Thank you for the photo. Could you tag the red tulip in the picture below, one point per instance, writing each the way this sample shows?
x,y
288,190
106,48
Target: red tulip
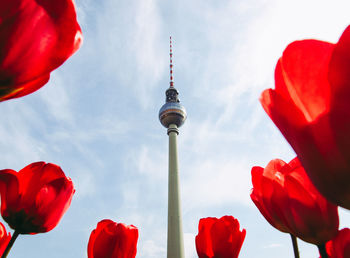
x,y
4,238
288,200
34,199
113,240
36,36
219,238
339,247
311,107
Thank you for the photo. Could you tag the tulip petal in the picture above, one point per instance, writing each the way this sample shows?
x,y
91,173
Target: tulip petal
x,y
5,238
339,72
284,114
104,244
9,191
304,68
56,197
111,239
34,176
39,36
125,246
339,247
310,216
226,238
203,242
96,232
219,237
264,179
23,88
34,199
292,204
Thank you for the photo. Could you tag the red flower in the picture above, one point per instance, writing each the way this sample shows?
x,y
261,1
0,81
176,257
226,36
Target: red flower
x,y
34,199
219,238
311,107
288,200
36,36
339,247
113,240
4,238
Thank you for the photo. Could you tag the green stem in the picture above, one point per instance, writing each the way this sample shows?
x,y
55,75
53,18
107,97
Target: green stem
x,y
295,246
10,244
322,250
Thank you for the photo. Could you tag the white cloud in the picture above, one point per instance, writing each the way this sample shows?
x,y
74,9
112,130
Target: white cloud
x,y
151,249
272,246
152,162
84,183
344,218
214,183
56,100
190,245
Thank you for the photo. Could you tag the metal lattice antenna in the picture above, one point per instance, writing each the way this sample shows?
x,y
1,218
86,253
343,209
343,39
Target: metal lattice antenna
x,y
171,65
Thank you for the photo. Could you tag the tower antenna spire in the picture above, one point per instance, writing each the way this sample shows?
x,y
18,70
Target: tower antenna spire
x,y
171,64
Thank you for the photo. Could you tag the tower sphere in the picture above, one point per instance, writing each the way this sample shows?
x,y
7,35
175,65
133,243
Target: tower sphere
x,y
172,113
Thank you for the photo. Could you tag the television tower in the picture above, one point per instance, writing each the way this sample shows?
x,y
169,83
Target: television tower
x,y
172,115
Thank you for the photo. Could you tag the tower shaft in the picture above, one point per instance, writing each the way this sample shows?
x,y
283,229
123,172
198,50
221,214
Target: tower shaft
x,y
172,115
175,247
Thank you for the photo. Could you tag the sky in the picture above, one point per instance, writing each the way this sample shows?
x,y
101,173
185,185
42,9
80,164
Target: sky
x,y
98,118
